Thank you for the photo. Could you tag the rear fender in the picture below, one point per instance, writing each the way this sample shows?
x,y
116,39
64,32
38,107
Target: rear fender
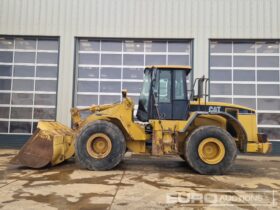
x,y
239,130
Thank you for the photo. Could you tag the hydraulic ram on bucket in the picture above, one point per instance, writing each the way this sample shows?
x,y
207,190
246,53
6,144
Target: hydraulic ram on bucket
x,y
51,143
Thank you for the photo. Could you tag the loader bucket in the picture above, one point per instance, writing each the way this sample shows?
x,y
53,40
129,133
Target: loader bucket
x,y
51,143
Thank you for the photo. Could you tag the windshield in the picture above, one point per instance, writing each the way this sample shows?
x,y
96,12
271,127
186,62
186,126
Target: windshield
x,y
142,112
144,96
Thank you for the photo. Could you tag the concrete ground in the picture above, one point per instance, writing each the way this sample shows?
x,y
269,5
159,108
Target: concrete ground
x,y
141,183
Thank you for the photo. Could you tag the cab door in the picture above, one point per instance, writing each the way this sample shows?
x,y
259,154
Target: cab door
x,y
164,95
170,95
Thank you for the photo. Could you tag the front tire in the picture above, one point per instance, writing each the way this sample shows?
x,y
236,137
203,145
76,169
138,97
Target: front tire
x,y
100,146
210,150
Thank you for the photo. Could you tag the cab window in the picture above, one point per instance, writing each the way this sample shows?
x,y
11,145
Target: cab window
x,y
179,89
164,87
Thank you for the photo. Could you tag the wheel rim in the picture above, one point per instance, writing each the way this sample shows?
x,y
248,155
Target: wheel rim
x,y
211,151
99,145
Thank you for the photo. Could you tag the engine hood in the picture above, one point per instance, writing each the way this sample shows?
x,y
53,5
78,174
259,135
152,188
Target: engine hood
x,y
218,107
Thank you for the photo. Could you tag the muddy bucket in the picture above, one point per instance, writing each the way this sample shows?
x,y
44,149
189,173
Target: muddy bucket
x,y
51,143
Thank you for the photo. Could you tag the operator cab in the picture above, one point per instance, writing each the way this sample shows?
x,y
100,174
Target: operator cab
x,y
164,93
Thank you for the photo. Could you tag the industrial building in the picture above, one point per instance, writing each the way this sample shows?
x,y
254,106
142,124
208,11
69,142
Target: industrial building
x,y
58,54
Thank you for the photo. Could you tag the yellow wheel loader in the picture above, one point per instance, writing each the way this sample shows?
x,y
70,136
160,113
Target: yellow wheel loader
x,y
170,119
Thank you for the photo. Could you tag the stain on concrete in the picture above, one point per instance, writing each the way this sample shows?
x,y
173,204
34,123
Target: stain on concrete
x,y
122,204
6,154
61,202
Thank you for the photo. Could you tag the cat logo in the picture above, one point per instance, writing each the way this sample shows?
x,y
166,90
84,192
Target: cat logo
x,y
214,109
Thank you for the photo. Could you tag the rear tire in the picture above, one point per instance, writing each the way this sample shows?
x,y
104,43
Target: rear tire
x,y
115,139
226,150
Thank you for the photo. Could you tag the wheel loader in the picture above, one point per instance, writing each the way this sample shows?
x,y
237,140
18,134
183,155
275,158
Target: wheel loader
x,y
170,120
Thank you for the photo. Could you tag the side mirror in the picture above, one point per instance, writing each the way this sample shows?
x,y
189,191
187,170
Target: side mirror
x,y
200,87
124,93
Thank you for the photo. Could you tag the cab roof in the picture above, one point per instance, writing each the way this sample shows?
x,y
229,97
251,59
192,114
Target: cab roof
x,y
175,67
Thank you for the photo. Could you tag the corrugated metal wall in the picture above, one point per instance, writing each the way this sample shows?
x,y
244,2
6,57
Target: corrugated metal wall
x,y
196,19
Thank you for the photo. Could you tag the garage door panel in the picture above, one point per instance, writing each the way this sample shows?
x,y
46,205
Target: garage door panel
x,y
106,66
28,82
256,78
